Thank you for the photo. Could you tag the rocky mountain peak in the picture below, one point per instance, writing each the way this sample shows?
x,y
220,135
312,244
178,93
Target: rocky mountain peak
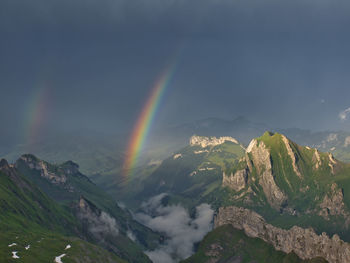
x,y
34,163
285,174
10,171
258,160
210,141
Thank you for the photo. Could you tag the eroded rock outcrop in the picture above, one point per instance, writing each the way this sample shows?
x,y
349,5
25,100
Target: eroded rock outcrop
x,y
316,159
36,164
261,160
96,222
333,204
303,242
210,141
332,163
291,155
236,181
10,171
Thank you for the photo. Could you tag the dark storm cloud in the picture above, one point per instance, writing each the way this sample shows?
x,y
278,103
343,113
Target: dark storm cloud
x,y
177,16
273,61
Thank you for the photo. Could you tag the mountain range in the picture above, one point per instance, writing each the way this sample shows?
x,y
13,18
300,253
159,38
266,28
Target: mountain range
x,y
282,196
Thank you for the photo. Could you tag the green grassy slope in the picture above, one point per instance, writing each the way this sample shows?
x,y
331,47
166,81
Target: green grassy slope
x,y
29,217
45,246
77,185
191,175
304,193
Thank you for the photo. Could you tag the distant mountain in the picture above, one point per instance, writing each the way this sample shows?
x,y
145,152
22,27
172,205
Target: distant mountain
x,y
240,128
103,154
192,173
95,152
336,142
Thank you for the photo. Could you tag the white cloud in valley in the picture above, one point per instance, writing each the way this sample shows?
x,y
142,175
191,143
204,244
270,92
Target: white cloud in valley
x,y
182,231
343,115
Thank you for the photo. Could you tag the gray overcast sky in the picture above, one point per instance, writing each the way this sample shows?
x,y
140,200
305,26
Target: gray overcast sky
x,y
92,63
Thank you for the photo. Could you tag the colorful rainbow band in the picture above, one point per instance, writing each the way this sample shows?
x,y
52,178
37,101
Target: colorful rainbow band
x,y
145,120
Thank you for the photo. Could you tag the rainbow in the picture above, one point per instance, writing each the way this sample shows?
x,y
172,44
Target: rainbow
x,y
36,114
145,120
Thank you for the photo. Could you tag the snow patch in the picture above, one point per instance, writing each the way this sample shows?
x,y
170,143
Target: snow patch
x,y
68,247
27,247
193,173
206,169
59,258
199,152
13,244
14,254
177,156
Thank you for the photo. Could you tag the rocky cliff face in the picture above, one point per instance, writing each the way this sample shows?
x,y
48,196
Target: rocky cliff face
x,y
258,157
292,155
10,171
278,171
97,225
303,242
97,222
35,164
58,175
261,160
237,181
333,204
210,141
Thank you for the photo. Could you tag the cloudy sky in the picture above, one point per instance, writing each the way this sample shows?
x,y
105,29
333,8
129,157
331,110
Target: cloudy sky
x,y
92,63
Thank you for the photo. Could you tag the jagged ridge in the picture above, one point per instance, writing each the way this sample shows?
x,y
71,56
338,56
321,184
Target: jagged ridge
x,y
304,242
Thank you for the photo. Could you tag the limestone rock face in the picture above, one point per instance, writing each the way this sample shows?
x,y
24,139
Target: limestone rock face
x,y
237,181
292,156
303,242
332,163
316,159
210,141
98,223
261,160
333,204
33,163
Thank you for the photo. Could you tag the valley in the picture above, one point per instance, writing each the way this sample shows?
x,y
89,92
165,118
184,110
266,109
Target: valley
x,y
286,185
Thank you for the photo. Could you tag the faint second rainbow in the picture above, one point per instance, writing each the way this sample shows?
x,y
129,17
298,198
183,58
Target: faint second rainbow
x,y
145,120
36,115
